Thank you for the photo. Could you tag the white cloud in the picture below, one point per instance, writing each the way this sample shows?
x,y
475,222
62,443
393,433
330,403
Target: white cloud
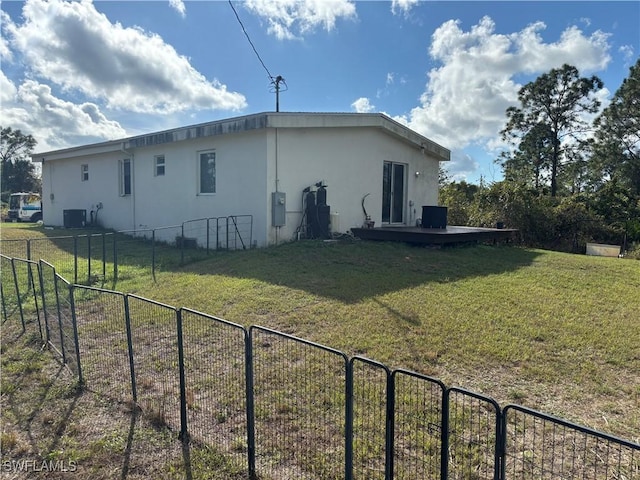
x,y
7,91
627,53
54,123
461,165
291,19
363,105
178,5
466,96
5,51
390,78
403,6
73,45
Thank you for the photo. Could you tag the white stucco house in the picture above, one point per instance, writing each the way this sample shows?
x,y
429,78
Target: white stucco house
x,y
261,165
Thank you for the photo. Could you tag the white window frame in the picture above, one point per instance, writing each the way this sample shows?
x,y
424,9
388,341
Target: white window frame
x,y
159,165
84,172
121,176
200,155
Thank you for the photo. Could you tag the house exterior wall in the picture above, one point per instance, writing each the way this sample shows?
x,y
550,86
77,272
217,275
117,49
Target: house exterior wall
x,y
255,156
350,162
173,198
170,199
63,189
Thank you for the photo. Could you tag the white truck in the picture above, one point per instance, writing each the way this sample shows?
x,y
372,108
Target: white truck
x,y
25,207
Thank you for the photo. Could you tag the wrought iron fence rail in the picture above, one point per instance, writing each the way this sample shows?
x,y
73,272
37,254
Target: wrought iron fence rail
x,y
85,258
289,408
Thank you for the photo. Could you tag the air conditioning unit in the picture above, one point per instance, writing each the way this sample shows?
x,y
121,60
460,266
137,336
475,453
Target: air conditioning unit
x,y
74,218
434,217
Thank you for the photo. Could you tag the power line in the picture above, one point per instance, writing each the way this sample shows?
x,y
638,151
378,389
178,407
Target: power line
x,y
250,42
274,81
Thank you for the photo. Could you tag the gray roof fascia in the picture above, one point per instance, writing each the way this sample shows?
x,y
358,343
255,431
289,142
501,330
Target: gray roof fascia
x,y
255,122
80,151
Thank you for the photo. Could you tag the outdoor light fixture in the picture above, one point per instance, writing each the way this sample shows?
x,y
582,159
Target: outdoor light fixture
x,y
417,174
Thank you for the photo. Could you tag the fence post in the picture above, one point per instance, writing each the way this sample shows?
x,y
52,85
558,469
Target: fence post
x,y
55,283
390,427
217,233
182,242
15,284
153,254
104,256
348,424
184,433
251,435
132,369
76,338
44,303
115,258
444,444
208,236
35,296
227,231
88,259
75,259
4,306
501,445
29,249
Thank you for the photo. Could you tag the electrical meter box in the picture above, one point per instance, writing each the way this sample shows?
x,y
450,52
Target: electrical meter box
x,y
278,209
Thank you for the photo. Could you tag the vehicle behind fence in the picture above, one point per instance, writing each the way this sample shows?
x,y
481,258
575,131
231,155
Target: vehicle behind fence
x,y
284,407
94,257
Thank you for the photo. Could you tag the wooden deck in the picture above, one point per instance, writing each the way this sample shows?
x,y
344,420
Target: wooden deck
x,y
435,236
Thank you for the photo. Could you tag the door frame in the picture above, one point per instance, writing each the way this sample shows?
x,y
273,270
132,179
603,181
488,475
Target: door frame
x,y
394,198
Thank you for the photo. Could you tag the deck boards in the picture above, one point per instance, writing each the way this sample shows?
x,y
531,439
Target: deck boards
x,y
435,236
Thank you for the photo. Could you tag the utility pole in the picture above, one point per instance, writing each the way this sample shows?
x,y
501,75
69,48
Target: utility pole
x,y
277,82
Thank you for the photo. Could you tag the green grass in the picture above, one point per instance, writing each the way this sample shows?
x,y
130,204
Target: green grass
x,y
540,316
552,331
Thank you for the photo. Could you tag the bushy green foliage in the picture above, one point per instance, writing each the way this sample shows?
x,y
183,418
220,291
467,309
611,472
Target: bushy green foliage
x,y
558,223
592,195
18,172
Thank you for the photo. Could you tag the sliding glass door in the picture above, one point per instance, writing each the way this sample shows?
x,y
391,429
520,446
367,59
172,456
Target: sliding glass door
x,y
393,192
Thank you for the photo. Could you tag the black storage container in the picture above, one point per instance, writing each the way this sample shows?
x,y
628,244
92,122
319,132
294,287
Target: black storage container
x,y
74,218
434,217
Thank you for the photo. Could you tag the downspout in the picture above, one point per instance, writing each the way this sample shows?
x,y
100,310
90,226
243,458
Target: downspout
x,y
277,180
133,191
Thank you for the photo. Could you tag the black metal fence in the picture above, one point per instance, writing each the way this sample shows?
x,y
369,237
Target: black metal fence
x,y
89,258
288,408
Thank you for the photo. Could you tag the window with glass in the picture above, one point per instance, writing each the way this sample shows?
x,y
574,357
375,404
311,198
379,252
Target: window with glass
x,y
125,177
84,172
207,171
159,165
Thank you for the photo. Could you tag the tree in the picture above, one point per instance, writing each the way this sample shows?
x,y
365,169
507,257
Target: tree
x,y
533,157
458,198
615,161
443,176
558,100
18,172
617,145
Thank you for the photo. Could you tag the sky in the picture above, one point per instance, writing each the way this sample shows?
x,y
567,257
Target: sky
x,y
81,72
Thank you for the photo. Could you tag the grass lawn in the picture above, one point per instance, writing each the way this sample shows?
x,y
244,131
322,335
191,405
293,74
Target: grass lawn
x,y
552,331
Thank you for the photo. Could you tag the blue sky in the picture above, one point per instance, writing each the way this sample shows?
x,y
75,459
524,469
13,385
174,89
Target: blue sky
x,y
81,72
